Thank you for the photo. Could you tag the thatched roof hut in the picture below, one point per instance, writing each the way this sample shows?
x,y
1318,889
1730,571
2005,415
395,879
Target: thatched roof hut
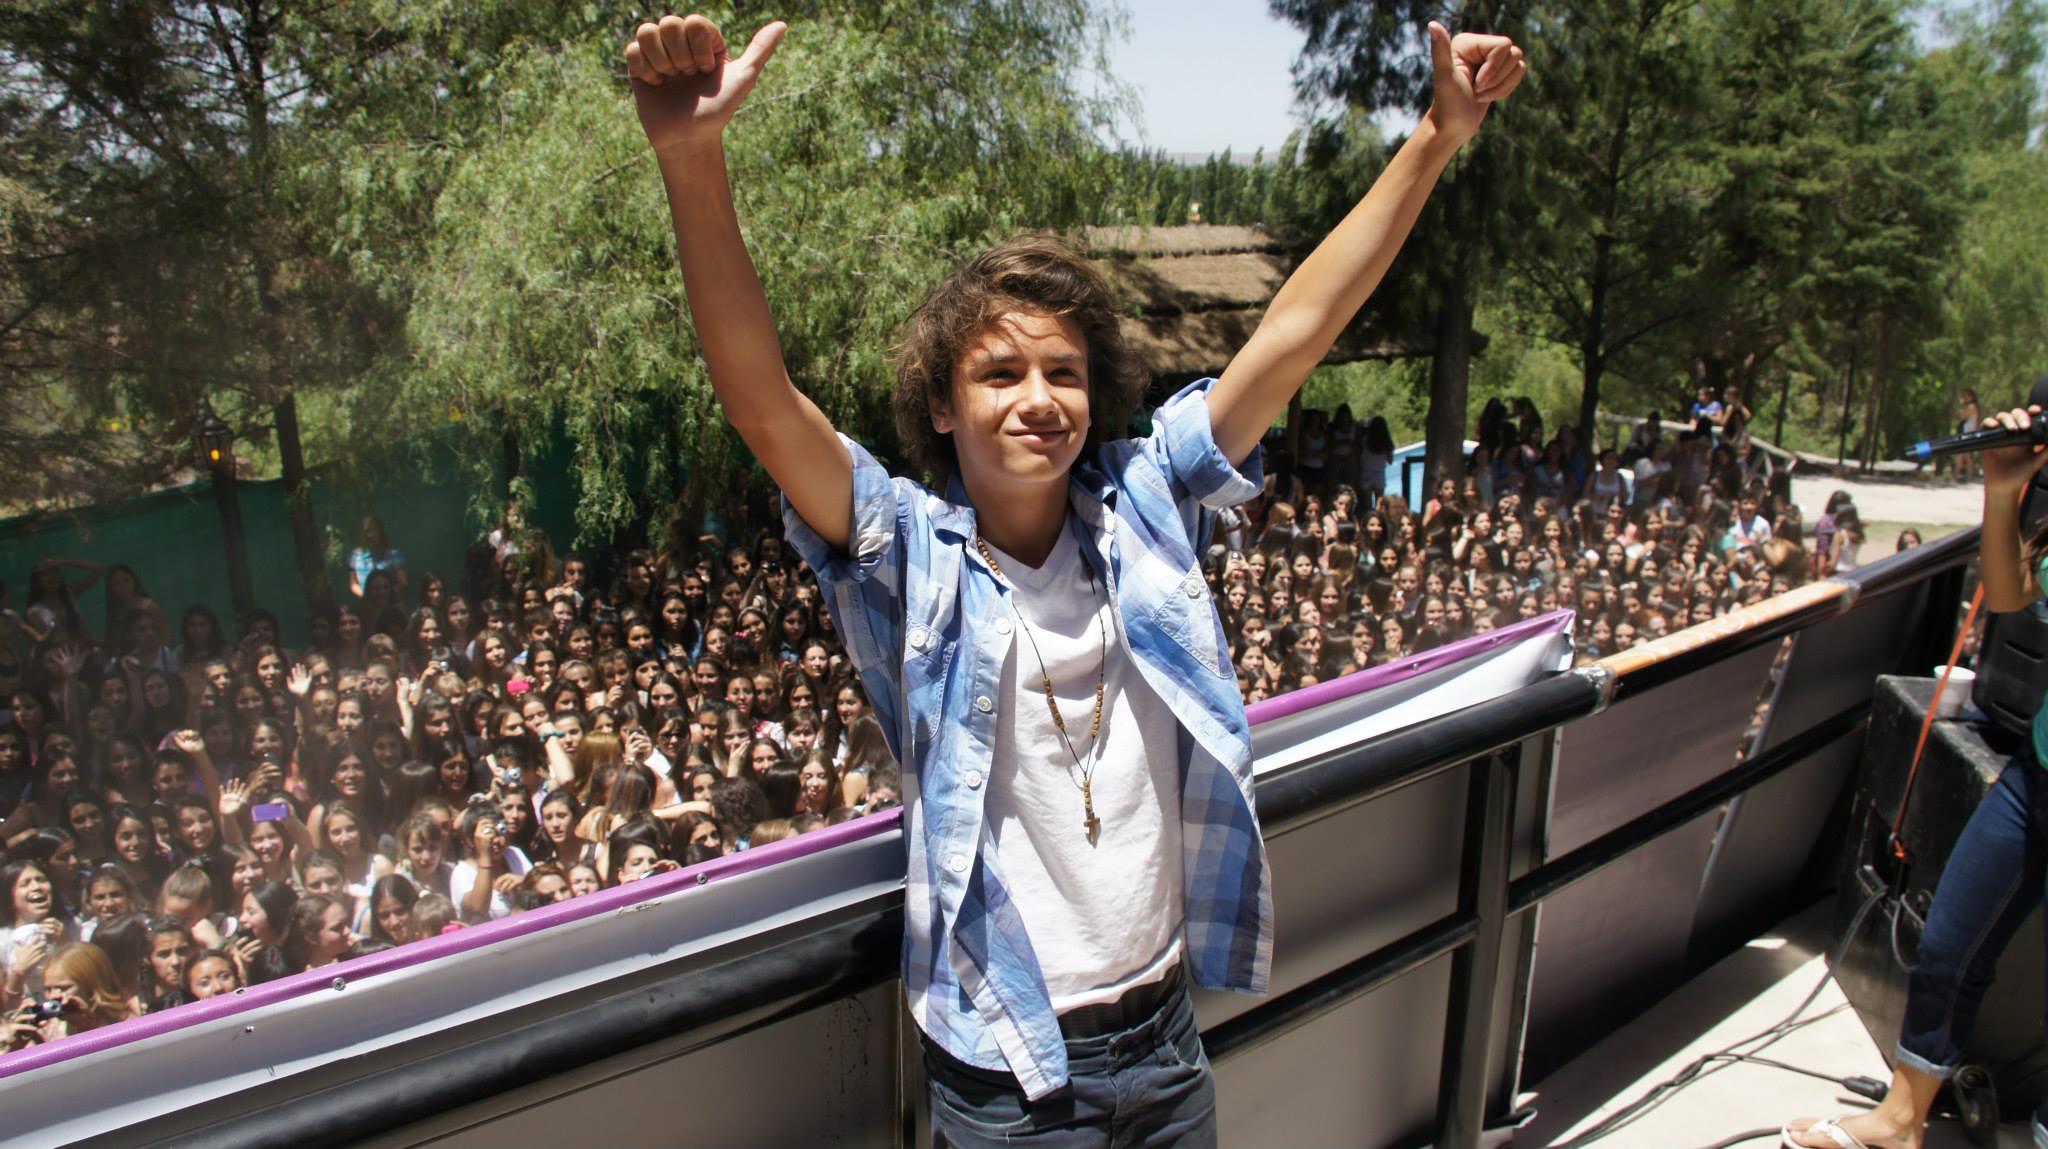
x,y
1196,294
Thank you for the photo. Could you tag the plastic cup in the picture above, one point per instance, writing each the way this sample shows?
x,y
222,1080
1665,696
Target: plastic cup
x,y
1956,694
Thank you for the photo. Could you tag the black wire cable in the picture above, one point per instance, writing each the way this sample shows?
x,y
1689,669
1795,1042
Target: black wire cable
x,y
1739,1138
1765,1061
1705,1065
1732,1053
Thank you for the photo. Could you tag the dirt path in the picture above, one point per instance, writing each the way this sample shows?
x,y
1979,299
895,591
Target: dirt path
x,y
1934,506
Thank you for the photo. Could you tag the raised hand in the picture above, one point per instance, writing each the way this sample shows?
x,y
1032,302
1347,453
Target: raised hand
x,y
485,843
26,957
233,797
685,87
242,952
188,741
2009,468
1472,71
16,1033
265,778
300,682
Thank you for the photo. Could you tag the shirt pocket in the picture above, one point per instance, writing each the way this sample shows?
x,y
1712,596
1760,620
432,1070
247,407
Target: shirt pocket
x,y
1184,612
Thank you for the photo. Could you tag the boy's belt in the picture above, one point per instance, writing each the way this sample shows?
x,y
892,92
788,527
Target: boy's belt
x,y
1135,1007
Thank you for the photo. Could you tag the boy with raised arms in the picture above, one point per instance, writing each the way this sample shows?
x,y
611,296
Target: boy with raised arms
x,y
1034,631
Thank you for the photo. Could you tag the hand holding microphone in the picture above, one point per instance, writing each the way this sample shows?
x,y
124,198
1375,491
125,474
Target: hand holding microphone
x,y
2015,428
2013,447
1991,437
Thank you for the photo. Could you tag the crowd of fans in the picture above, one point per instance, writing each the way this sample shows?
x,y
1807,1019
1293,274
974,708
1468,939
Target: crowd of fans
x,y
1673,529
187,811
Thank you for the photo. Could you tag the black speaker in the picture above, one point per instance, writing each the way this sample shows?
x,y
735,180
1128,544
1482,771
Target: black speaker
x,y
1962,762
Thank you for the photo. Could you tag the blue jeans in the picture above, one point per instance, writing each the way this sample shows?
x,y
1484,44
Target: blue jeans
x,y
1993,879
1149,1085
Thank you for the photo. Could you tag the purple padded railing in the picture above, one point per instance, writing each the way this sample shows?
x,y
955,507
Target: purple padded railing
x,y
1373,678
447,945
606,901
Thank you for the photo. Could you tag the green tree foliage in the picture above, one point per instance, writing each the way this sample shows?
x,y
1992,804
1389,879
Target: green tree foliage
x,y
1618,114
1370,57
174,272
1993,333
1732,192
549,292
1994,330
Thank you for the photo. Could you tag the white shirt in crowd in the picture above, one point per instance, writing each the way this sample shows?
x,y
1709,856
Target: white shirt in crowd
x,y
463,878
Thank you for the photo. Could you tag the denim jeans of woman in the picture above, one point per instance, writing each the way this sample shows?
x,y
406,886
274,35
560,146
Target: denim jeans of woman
x,y
1993,879
1149,1085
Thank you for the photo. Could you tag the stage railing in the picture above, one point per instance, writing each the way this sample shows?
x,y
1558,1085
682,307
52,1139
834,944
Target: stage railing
x,y
1606,803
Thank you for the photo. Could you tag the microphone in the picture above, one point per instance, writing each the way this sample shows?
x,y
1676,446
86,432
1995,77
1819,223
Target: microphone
x,y
1990,436
1984,439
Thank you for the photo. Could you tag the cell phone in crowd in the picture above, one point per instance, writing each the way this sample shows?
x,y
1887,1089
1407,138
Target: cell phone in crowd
x,y
270,811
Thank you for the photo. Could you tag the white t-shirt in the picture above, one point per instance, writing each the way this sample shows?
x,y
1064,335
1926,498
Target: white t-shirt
x,y
464,876
1647,471
1106,917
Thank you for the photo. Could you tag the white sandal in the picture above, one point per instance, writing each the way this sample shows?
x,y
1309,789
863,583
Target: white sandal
x,y
1842,1138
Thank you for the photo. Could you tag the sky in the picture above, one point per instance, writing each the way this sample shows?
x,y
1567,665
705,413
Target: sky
x,y
1210,74
1214,74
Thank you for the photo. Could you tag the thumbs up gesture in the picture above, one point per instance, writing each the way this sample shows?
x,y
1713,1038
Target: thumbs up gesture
x,y
685,87
1472,72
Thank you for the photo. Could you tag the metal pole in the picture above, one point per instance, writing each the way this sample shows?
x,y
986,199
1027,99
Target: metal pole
x,y
233,541
1475,969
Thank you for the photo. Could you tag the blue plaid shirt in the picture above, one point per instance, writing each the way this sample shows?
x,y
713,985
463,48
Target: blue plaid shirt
x,y
905,600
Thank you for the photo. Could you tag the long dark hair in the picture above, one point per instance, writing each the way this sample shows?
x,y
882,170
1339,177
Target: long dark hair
x,y
398,888
2033,547
276,900
305,921
1379,439
11,873
155,993
642,831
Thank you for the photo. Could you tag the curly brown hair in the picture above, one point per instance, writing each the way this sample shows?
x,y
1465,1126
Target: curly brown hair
x,y
1031,274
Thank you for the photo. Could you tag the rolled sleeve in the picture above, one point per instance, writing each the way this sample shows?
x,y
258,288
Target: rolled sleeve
x,y
1195,460
874,525
863,583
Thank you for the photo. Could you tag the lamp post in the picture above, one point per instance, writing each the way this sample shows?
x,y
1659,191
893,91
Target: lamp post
x,y
217,447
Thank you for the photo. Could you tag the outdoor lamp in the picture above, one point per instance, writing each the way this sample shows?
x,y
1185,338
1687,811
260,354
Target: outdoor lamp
x,y
216,439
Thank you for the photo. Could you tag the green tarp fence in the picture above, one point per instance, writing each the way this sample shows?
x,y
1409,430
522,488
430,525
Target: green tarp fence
x,y
172,538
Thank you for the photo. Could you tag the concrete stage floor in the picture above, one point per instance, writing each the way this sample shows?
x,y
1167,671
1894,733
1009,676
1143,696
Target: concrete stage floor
x,y
1749,991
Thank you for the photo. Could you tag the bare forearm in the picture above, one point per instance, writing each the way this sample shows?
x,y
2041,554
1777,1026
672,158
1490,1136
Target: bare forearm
x,y
736,332
2007,585
477,902
209,776
1325,292
728,305
1337,278
561,770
